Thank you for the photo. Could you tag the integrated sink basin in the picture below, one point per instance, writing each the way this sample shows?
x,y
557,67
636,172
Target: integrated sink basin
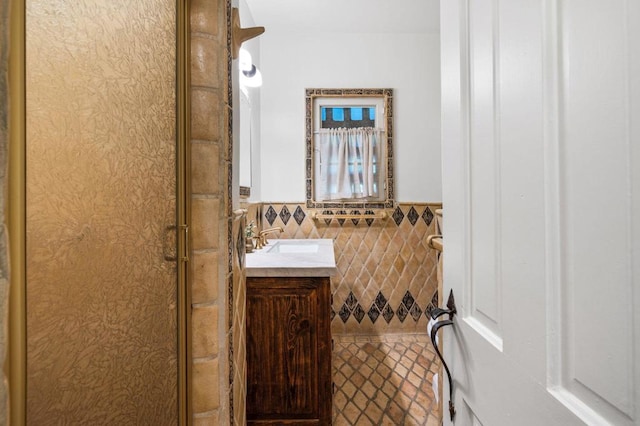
x,y
293,258
293,246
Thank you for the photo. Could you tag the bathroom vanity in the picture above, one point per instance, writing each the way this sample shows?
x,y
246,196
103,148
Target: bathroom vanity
x,y
289,332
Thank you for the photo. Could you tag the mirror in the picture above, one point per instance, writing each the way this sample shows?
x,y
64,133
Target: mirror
x,y
349,146
249,82
245,145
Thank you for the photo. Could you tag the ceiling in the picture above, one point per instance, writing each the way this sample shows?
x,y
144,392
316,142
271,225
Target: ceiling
x,y
346,16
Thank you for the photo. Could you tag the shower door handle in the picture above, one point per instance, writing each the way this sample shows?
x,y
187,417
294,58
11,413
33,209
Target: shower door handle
x,y
435,314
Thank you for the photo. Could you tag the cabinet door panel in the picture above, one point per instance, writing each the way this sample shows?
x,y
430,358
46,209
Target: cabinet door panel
x,y
287,357
282,353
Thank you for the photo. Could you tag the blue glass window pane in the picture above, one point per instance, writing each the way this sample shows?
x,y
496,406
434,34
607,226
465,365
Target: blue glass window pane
x,y
323,111
372,113
356,114
338,114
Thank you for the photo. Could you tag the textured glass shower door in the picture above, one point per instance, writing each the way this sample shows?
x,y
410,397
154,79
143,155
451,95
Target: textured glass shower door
x,y
101,275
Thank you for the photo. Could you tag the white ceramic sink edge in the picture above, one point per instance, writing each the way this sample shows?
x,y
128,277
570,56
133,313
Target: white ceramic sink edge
x,y
293,257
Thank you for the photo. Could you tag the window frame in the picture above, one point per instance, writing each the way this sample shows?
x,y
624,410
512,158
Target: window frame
x,y
314,99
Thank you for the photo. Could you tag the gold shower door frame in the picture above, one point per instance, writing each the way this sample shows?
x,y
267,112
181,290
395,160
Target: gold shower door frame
x,y
16,361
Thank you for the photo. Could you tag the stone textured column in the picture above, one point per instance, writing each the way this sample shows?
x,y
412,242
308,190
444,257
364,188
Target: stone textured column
x,y
209,213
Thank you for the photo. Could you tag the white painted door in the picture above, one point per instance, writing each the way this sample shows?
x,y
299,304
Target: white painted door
x,y
541,172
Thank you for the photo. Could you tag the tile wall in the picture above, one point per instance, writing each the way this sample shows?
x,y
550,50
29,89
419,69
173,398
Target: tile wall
x,y
219,391
237,322
211,216
387,278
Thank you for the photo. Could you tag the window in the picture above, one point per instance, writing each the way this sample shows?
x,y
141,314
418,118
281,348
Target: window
x,y
349,148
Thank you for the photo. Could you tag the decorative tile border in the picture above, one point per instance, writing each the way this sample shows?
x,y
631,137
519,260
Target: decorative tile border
x,y
380,307
398,216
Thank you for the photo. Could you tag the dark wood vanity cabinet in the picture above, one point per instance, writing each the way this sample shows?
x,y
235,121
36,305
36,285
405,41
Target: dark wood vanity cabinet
x,y
289,350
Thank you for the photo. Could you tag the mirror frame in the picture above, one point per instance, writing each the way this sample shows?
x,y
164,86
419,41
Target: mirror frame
x,y
310,97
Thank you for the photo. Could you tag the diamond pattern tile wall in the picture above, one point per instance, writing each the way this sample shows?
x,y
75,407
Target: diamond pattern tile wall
x,y
412,215
285,215
271,215
386,279
427,216
299,215
398,215
432,305
351,307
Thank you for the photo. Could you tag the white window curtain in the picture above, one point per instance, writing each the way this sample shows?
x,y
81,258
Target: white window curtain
x,y
348,163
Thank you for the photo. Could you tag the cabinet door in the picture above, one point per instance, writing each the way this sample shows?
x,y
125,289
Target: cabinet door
x,y
288,350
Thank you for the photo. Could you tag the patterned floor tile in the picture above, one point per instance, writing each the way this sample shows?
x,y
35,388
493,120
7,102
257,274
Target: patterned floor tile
x,y
384,380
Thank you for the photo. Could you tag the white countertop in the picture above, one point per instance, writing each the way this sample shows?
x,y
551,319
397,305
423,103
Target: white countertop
x,y
300,258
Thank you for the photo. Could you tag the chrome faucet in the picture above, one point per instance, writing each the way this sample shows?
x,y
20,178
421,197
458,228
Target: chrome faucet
x,y
262,235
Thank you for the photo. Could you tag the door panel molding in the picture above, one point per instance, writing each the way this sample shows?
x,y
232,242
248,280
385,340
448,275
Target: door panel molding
x,y
484,160
584,172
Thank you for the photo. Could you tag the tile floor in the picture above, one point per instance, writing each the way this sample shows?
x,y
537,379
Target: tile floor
x,y
384,380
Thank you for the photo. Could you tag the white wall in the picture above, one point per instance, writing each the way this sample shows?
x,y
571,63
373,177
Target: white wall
x,y
407,63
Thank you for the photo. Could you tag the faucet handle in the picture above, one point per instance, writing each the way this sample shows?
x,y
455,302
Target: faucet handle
x,y
263,234
259,243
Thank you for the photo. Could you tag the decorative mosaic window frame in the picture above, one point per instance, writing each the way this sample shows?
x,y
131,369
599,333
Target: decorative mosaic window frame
x,y
347,206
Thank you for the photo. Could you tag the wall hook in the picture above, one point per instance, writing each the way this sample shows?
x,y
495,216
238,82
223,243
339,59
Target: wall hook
x,y
240,35
435,314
